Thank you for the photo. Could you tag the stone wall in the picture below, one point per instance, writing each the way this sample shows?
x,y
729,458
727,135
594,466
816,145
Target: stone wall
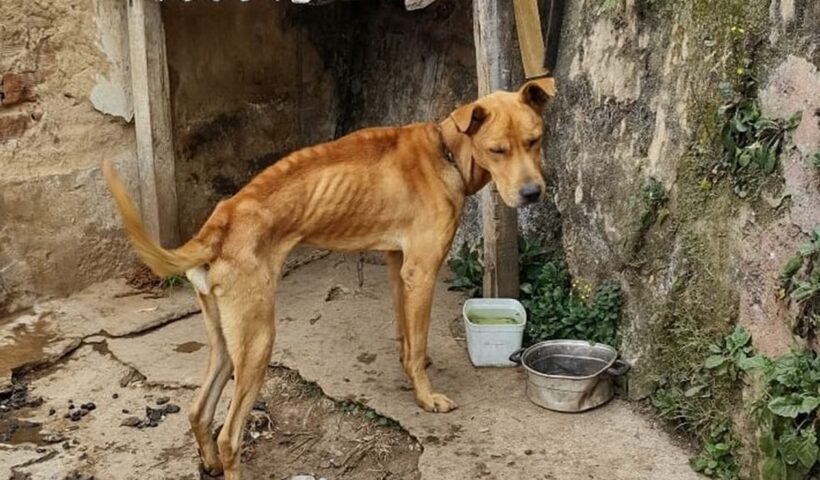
x,y
638,84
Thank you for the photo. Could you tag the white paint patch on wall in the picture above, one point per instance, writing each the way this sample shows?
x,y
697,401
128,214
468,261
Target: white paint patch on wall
x,y
112,93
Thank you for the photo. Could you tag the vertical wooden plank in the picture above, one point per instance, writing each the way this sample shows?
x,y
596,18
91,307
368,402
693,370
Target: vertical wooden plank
x,y
493,31
530,39
152,119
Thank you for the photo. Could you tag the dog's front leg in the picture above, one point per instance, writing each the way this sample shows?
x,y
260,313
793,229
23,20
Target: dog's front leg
x,y
418,273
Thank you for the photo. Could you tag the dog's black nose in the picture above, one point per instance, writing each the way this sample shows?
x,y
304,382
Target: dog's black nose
x,y
530,192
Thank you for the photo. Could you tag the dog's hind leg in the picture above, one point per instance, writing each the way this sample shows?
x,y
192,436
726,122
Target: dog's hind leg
x,y
246,303
219,372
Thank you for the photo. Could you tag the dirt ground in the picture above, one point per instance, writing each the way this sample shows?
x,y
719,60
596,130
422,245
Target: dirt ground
x,y
138,357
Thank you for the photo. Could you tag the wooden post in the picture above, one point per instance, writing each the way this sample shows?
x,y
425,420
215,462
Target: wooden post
x,y
493,31
152,120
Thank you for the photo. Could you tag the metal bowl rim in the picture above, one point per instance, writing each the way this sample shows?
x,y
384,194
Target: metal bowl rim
x,y
583,343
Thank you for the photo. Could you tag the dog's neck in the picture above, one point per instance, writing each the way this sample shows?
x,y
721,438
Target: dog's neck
x,y
458,150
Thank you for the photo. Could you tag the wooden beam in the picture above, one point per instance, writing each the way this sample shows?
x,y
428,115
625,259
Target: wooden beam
x,y
152,120
530,39
493,31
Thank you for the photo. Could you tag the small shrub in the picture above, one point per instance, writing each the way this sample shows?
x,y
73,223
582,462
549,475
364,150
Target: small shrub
x,y
751,142
556,306
697,401
786,413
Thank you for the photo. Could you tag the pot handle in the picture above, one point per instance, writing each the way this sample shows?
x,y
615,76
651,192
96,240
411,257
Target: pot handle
x,y
618,368
515,357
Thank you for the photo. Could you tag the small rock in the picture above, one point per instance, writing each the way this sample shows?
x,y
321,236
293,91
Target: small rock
x,y
152,423
67,415
40,450
126,411
171,408
71,406
528,452
131,422
163,400
76,415
153,414
260,406
66,445
88,406
53,438
115,396
51,411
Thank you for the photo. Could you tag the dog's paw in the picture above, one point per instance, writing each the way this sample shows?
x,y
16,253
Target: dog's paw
x,y
437,403
209,473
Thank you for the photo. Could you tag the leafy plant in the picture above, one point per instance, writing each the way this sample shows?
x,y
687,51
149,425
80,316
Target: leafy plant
x,y
733,354
751,142
815,160
717,458
696,401
556,308
787,416
468,270
800,280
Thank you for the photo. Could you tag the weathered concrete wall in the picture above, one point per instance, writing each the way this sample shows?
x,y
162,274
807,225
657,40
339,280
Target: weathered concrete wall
x,y
62,65
638,96
247,87
418,67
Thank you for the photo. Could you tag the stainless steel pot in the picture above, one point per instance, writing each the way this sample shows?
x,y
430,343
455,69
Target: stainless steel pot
x,y
570,375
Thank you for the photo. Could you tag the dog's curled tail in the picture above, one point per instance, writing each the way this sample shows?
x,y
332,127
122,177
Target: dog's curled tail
x,y
161,261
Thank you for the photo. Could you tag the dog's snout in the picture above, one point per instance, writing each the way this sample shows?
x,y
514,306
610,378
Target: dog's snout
x,y
530,192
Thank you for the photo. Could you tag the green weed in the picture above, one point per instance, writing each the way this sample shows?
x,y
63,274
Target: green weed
x,y
696,401
174,281
800,280
786,413
751,142
468,270
653,197
556,306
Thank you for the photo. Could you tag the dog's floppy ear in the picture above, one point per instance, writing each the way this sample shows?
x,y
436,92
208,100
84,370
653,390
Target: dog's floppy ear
x,y
536,93
469,118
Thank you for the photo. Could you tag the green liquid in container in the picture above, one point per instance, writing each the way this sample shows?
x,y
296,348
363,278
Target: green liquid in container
x,y
493,321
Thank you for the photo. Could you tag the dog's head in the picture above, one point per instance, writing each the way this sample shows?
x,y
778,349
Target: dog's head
x,y
502,132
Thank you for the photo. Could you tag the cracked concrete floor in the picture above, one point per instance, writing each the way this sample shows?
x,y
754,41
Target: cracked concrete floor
x,y
156,347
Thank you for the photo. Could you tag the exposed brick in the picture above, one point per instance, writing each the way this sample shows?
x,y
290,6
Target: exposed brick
x,y
14,125
17,87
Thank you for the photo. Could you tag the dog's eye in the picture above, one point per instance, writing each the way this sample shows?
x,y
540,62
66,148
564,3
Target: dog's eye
x,y
498,150
533,142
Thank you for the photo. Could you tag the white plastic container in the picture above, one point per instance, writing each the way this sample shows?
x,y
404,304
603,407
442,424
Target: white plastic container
x,y
492,345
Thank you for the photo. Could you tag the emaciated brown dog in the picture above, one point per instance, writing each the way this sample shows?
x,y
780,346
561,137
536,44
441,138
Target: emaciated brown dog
x,y
398,190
